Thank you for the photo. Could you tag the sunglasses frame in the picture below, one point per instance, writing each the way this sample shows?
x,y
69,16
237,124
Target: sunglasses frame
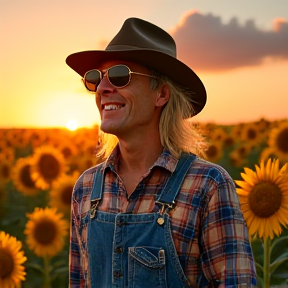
x,y
106,72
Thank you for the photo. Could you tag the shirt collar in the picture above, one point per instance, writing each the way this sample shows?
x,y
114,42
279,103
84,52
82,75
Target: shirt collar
x,y
166,160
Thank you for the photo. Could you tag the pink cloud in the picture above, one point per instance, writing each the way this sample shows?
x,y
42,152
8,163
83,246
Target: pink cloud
x,y
205,43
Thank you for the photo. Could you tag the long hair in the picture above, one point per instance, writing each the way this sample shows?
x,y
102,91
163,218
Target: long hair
x,y
177,132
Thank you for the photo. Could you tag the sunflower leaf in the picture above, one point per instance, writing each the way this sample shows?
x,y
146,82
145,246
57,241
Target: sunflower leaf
x,y
35,267
259,281
282,258
58,271
277,241
258,266
59,263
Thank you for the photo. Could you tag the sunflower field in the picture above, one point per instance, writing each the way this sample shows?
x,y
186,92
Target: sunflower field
x,y
38,169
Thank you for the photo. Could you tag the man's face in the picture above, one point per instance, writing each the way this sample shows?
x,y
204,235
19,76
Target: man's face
x,y
129,110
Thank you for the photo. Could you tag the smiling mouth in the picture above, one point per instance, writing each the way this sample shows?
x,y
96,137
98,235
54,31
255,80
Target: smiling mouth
x,y
109,107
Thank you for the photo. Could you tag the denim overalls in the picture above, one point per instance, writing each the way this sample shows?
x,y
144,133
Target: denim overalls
x,y
136,250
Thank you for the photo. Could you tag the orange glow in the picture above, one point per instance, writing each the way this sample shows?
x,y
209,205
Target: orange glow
x,y
72,125
38,89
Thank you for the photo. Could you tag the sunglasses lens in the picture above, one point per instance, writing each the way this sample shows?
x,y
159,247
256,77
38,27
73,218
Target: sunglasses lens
x,y
92,79
119,76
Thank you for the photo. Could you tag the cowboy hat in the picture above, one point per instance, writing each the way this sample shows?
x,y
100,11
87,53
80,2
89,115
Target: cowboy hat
x,y
147,44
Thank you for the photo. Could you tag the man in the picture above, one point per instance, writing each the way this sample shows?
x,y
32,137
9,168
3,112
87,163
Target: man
x,y
153,214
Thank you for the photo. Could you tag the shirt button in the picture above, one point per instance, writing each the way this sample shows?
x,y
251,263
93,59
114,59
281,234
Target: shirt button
x,y
118,249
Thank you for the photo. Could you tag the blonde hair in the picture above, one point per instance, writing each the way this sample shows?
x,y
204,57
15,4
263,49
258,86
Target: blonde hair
x,y
177,132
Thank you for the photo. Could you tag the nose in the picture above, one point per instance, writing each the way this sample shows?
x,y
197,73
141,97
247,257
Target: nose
x,y
105,87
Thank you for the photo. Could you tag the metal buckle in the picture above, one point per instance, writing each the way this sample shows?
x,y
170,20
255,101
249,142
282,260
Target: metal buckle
x,y
166,207
93,209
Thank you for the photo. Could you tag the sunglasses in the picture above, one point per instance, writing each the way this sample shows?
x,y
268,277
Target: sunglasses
x,y
118,75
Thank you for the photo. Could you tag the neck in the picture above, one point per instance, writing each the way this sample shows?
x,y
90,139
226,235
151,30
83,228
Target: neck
x,y
139,156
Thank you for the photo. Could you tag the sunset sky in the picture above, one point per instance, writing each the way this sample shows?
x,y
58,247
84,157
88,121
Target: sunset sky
x,y
239,48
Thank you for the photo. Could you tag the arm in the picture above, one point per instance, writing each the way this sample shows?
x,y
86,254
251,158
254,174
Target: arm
x,y
226,254
75,269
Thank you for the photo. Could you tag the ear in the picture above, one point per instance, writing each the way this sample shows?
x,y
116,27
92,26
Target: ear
x,y
162,96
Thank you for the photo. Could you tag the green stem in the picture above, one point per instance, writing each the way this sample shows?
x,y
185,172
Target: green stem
x,y
266,266
47,280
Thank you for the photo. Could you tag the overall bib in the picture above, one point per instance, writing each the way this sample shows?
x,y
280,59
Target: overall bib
x,y
136,250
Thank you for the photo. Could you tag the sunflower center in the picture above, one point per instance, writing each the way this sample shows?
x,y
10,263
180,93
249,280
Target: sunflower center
x,y
25,177
265,199
45,232
229,141
66,151
282,143
49,166
212,151
5,171
242,151
6,263
66,195
251,134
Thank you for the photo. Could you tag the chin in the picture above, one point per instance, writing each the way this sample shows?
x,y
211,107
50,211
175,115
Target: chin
x,y
110,129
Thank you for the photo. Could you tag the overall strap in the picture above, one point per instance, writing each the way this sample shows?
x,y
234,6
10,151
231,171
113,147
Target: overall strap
x,y
96,193
173,185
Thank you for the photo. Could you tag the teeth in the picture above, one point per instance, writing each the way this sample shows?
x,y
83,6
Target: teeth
x,y
112,107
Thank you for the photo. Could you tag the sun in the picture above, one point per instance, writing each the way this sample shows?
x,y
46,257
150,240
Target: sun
x,y
72,125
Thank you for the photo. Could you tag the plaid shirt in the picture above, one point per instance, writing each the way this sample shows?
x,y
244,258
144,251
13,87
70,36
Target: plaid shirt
x,y
207,225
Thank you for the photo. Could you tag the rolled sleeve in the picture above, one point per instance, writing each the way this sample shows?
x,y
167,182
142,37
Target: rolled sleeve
x,y
227,255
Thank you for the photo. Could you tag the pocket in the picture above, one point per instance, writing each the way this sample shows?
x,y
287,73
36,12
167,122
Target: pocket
x,y
146,267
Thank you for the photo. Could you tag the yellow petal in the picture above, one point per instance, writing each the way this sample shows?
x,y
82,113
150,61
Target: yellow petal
x,y
247,179
241,192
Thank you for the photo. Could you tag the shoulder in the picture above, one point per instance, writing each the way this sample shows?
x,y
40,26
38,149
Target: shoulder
x,y
209,171
85,181
205,181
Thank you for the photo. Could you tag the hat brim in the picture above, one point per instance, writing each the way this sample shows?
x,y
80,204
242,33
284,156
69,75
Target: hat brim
x,y
177,71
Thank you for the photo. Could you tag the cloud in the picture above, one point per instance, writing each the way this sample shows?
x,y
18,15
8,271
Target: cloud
x,y
205,43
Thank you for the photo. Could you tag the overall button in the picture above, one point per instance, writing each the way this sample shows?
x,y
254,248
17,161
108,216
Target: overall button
x,y
121,223
117,274
160,221
118,249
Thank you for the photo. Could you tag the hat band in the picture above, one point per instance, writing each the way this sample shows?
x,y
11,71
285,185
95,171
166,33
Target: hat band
x,y
122,48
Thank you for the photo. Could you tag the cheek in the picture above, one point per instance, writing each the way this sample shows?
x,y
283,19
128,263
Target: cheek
x,y
98,101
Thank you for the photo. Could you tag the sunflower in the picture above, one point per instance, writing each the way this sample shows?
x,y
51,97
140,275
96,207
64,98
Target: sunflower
x,y
5,170
278,141
214,152
218,134
67,149
8,153
235,159
251,134
228,141
236,130
2,195
47,166
263,124
46,231
3,199
264,198
36,137
267,153
21,175
11,259
60,194
243,150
